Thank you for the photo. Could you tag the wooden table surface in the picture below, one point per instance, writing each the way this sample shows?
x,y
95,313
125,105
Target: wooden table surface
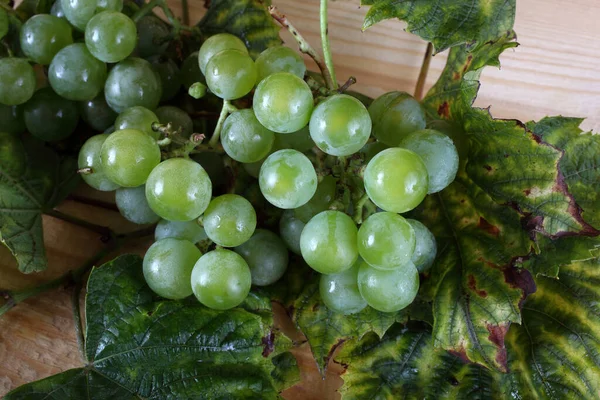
x,y
554,71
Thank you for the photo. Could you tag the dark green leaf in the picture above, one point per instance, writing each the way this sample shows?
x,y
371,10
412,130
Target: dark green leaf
x,y
32,179
138,347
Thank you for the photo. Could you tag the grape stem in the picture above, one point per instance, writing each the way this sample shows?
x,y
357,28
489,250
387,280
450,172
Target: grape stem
x,y
225,111
351,81
325,44
304,46
358,208
423,73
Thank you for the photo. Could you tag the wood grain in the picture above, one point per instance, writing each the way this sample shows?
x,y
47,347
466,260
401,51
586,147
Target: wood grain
x,y
554,71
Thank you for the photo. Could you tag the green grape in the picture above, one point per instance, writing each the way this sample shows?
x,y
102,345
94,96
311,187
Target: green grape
x,y
133,82
17,81
110,36
458,136
11,119
216,44
133,206
43,35
394,115
221,279
76,74
4,24
229,220
170,76
168,266
388,291
299,140
57,10
426,247
279,59
190,71
178,118
266,255
50,117
340,291
370,150
178,189
287,179
396,180
253,169
230,74
290,229
188,230
139,118
79,12
97,113
89,157
153,36
244,138
328,242
340,125
128,157
386,241
320,201
283,102
438,153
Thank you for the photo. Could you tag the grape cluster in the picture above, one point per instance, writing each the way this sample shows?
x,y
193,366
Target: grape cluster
x,y
340,173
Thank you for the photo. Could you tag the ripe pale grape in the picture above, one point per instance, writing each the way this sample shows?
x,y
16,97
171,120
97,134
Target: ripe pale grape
x,y
170,76
426,247
394,115
299,140
132,82
290,229
110,36
328,242
340,125
50,117
391,290
266,256
279,59
43,35
340,291
89,157
178,189
178,118
152,36
229,220
287,179
17,81
396,180
283,102
97,113
188,230
139,118
321,200
216,44
128,157
168,266
11,119
221,279
132,205
230,74
79,12
244,138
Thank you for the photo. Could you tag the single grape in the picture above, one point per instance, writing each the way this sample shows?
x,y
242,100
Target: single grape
x,y
57,10
438,153
50,117
266,255
153,36
230,74
132,82
11,119
394,115
17,81
457,133
328,242
340,125
426,247
43,35
170,76
133,206
386,241
128,157
188,230
216,44
190,71
229,220
178,118
283,102
320,201
290,229
370,150
287,179
4,24
139,118
178,189
110,36
89,157
79,12
244,138
340,291
76,74
279,59
221,279
396,180
97,113
388,291
168,266
299,140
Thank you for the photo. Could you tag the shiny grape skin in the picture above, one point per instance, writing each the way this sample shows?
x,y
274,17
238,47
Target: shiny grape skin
x,y
89,157
139,118
340,291
188,230
43,35
394,115
50,117
216,44
229,220
244,139
79,12
110,36
97,113
230,74
391,290
17,81
266,256
426,246
133,82
133,206
279,59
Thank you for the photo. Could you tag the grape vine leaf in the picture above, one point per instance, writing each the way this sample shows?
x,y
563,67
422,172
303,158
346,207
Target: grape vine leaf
x,y
140,347
32,179
446,23
247,19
